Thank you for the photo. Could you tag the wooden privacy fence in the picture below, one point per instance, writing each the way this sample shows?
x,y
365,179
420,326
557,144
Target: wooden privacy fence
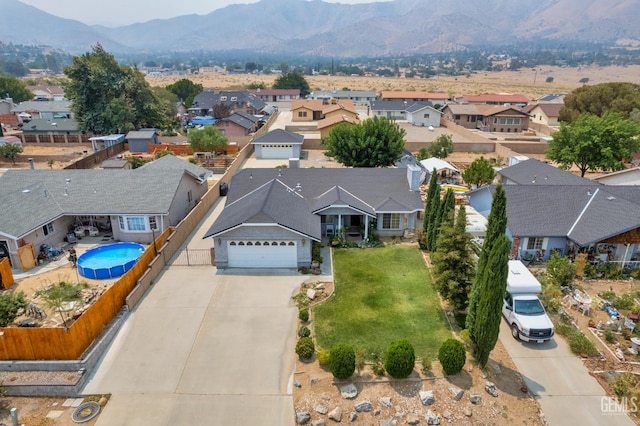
x,y
60,343
92,160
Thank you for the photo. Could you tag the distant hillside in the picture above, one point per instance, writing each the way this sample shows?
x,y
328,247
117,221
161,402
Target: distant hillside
x,y
333,29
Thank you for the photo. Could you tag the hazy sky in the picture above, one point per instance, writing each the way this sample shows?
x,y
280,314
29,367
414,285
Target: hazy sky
x,y
124,12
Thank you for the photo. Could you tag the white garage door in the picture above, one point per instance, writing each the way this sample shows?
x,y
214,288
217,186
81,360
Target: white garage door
x,y
262,254
277,151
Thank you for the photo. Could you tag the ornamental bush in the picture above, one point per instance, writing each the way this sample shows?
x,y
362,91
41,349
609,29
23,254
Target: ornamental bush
x,y
303,315
342,361
452,356
304,331
400,359
305,348
323,357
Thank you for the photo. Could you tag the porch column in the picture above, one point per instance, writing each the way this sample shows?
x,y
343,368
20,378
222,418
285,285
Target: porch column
x,y
366,226
339,223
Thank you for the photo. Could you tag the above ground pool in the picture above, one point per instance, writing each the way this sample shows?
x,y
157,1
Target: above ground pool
x,y
109,260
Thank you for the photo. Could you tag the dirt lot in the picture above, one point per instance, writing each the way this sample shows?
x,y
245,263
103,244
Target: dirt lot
x,y
528,82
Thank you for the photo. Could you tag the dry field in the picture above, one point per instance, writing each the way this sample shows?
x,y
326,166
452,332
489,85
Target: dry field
x,y
528,82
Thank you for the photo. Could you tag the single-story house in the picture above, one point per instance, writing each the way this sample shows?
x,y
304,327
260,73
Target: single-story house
x,y
276,95
139,140
621,177
40,126
307,110
545,114
40,206
423,115
238,124
556,211
278,143
325,125
440,98
245,101
356,96
505,99
271,216
487,118
47,93
47,110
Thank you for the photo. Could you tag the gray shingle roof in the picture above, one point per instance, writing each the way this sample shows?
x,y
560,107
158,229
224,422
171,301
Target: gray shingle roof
x,y
32,198
142,134
582,214
279,136
534,172
398,105
365,189
42,106
207,99
243,120
55,125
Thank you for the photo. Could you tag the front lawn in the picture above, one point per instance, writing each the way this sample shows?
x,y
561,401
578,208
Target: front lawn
x,y
381,294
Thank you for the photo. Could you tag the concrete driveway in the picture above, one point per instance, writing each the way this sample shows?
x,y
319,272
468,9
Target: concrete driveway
x,y
560,382
204,348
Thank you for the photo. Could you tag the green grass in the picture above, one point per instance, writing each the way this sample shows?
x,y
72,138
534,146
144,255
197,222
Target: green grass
x,y
381,294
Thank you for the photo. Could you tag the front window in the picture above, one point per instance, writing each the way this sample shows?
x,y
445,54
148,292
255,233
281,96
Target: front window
x,y
302,113
535,243
48,228
391,221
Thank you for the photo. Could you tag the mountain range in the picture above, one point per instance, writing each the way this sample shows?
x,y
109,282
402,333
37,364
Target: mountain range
x,y
314,27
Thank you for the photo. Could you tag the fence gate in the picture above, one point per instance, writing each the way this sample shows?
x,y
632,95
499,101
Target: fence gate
x,y
190,257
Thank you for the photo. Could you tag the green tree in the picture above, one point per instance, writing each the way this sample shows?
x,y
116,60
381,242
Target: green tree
x,y
441,147
376,142
169,105
453,265
108,97
496,227
10,304
206,139
444,216
560,271
136,161
185,90
292,81
430,208
10,151
479,173
423,154
15,88
595,143
58,294
600,99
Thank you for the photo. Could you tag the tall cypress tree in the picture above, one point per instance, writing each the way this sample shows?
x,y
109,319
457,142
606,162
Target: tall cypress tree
x,y
496,226
433,196
489,307
445,211
453,262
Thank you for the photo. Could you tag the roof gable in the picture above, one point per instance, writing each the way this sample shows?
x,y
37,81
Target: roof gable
x,y
279,136
534,172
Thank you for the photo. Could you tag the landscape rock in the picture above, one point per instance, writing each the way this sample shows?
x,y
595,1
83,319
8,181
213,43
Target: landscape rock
x,y
336,414
475,399
376,412
363,406
386,401
456,393
313,380
311,293
321,409
319,422
303,417
447,414
432,418
467,412
413,419
353,417
388,422
297,384
349,391
427,397
491,389
320,286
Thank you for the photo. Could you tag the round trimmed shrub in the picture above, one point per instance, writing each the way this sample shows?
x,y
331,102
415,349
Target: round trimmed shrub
x,y
342,361
305,348
452,356
400,359
303,315
323,357
304,331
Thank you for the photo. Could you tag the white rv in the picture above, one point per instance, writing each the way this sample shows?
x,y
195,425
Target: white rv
x,y
521,307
